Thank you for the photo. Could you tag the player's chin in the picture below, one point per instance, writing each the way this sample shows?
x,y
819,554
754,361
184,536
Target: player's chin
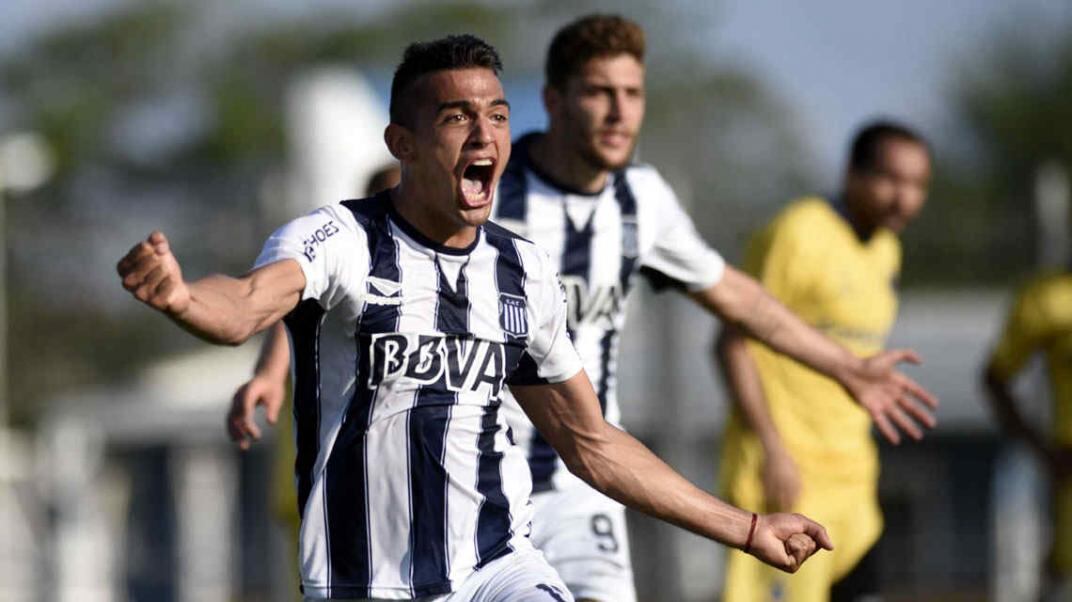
x,y
612,159
475,216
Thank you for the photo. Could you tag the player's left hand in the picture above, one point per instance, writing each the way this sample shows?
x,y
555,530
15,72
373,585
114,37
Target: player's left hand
x,y
895,402
785,541
259,391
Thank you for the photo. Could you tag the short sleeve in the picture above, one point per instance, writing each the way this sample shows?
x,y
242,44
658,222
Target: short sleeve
x,y
549,356
679,258
1023,334
327,245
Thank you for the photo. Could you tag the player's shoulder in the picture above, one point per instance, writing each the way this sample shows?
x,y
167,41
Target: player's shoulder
x,y
807,212
802,222
1050,291
533,259
646,181
497,234
368,210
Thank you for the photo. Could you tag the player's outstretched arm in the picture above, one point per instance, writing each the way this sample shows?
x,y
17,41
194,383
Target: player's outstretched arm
x,y
567,414
781,477
219,309
267,389
894,401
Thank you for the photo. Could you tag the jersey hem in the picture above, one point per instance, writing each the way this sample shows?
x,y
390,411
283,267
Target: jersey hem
x,y
350,592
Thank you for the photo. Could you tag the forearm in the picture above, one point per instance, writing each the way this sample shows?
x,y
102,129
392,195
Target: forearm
x,y
745,388
616,464
274,359
744,304
227,311
1007,412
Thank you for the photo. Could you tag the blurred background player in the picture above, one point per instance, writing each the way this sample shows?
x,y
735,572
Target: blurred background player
x,y
270,389
574,191
1040,321
794,440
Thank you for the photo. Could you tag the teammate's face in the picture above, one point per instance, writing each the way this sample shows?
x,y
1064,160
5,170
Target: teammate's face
x,y
459,143
891,193
601,109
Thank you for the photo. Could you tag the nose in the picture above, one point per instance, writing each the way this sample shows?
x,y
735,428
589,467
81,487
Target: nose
x,y
481,135
616,101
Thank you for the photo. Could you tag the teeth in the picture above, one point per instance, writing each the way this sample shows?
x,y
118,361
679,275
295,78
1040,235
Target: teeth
x,y
482,162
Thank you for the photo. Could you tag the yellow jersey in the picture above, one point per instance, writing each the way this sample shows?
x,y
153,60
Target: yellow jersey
x,y
1041,321
810,258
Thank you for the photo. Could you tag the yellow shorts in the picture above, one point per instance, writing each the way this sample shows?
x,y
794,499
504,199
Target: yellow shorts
x,y
848,509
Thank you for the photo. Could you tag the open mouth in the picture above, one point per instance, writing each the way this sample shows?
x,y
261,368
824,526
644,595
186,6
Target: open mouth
x,y
476,182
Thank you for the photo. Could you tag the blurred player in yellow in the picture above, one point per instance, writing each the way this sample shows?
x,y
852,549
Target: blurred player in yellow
x,y
269,387
795,440
1040,321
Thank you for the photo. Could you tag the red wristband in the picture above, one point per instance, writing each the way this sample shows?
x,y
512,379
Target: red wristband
x,y
751,532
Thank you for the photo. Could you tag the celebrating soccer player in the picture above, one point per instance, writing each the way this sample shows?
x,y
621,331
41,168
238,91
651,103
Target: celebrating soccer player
x,y
409,314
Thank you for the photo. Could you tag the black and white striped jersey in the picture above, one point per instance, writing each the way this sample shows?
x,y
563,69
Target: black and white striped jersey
x,y
600,242
407,478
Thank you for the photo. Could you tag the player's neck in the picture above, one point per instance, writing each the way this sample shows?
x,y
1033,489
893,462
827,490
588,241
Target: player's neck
x,y
553,155
410,203
851,212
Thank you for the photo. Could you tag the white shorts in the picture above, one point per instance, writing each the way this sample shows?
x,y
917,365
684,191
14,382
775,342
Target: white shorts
x,y
522,576
582,534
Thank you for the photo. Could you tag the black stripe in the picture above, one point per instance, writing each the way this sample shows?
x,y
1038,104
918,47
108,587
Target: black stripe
x,y
493,531
627,206
303,323
349,555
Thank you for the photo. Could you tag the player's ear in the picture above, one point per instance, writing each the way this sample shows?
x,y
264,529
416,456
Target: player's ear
x,y
399,141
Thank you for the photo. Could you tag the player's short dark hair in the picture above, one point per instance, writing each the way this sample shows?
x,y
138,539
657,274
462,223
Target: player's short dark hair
x,y
590,37
421,58
865,144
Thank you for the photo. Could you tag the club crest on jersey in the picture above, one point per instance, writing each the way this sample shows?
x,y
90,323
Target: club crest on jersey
x,y
513,318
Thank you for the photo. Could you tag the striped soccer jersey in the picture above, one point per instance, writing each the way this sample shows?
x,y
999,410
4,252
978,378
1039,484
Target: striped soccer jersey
x,y
407,480
599,242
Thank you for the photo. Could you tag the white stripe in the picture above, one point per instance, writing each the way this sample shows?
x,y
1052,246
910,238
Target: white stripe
x,y
387,448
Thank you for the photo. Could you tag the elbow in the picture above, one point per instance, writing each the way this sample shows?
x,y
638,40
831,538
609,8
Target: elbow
x,y
587,459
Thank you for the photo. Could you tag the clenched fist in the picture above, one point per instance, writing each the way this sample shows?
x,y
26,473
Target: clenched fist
x,y
152,274
785,541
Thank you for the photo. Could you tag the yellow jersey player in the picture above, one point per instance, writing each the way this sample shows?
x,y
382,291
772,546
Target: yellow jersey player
x,y
795,440
1041,321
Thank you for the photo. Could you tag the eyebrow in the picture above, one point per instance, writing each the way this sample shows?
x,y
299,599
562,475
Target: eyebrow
x,y
465,104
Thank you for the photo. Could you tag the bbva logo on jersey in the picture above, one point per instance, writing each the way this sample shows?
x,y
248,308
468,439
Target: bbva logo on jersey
x,y
460,363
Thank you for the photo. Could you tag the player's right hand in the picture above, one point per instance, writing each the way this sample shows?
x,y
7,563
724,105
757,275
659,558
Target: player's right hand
x,y
781,481
259,391
152,274
785,541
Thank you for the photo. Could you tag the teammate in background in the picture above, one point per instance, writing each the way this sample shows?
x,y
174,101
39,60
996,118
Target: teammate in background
x,y
408,313
794,441
573,191
268,388
1040,321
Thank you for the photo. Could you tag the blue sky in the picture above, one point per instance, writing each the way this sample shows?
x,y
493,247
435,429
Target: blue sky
x,y
903,58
